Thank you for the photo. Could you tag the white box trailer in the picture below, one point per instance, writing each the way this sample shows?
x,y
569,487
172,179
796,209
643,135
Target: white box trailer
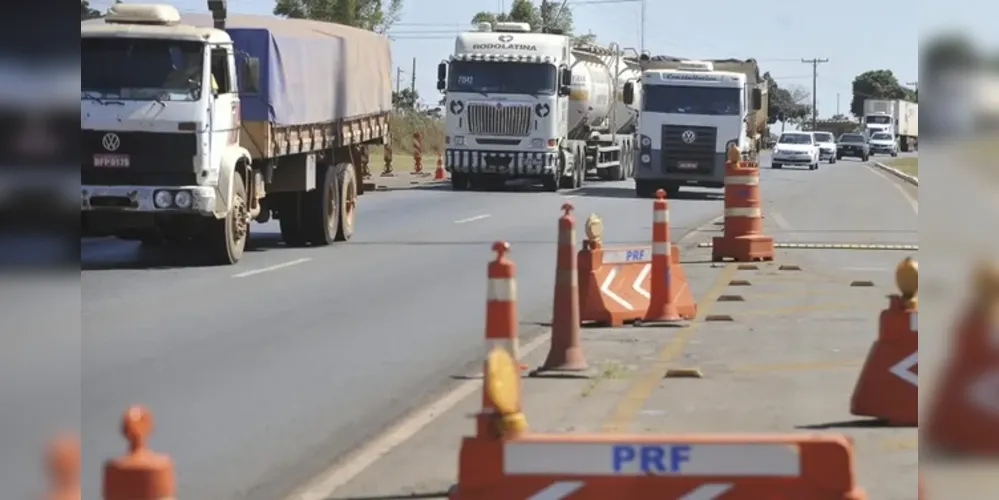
x,y
897,116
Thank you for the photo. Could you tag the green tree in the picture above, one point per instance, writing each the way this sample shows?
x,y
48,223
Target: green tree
x,y
785,105
548,15
86,12
374,15
877,84
406,100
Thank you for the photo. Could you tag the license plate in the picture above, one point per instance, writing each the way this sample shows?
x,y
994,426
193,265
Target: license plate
x,y
687,165
112,161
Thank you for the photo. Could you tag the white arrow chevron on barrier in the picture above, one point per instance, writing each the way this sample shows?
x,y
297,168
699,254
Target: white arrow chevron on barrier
x,y
557,491
605,289
709,491
637,285
903,369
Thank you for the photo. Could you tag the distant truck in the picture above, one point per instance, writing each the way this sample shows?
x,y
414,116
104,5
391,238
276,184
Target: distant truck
x,y
897,117
194,126
691,111
523,105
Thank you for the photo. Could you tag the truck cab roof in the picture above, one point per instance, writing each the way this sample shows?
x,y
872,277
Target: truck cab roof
x,y
148,21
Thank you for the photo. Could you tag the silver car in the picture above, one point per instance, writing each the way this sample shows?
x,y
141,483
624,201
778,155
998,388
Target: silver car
x,y
827,146
883,143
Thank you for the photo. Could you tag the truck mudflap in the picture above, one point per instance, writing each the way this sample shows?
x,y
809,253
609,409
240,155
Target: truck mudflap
x,y
513,164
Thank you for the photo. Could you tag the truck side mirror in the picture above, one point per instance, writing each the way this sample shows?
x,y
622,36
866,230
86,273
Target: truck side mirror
x,y
757,99
442,76
250,67
564,81
629,93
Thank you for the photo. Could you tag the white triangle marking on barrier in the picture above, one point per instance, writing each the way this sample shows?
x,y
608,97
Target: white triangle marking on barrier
x,y
709,491
557,491
605,289
903,369
637,285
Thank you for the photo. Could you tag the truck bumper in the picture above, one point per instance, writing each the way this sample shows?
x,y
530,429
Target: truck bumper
x,y
504,163
709,174
140,199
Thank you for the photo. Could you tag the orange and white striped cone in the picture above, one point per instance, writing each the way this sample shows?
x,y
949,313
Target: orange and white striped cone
x,y
440,174
501,320
565,357
662,307
141,474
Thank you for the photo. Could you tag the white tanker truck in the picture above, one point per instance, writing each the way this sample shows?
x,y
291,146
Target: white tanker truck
x,y
530,105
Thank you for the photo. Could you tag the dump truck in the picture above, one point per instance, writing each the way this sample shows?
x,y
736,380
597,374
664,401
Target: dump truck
x,y
193,126
524,105
691,112
895,116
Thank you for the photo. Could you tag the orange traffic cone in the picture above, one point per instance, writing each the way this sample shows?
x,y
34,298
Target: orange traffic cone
x,y
888,387
565,357
964,415
662,306
141,474
501,320
63,467
440,174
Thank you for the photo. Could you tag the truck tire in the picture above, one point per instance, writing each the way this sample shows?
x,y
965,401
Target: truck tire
x,y
459,182
346,180
227,237
320,207
644,189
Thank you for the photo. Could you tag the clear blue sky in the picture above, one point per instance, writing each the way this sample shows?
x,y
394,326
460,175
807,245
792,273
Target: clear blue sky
x,y
855,35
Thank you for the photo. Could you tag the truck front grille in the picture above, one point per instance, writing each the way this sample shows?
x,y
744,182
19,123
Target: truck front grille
x,y
488,119
154,158
682,157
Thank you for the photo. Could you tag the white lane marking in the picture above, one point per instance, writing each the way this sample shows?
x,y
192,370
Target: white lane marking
x,y
275,267
324,486
637,285
605,289
557,491
472,219
914,203
780,220
570,196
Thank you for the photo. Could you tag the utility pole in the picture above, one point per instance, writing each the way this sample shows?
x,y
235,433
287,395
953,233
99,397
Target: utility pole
x,y
544,16
398,79
837,103
815,84
641,29
412,79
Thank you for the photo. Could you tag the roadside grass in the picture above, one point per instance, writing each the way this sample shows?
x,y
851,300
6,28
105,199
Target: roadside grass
x,y
402,127
907,165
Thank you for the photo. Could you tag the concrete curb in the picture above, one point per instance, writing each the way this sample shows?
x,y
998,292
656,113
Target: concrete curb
x,y
897,173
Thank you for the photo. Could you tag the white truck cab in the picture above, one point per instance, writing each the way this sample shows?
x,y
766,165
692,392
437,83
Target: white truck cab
x,y
689,117
159,130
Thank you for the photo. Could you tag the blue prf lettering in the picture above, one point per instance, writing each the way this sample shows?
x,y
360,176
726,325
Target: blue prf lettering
x,y
651,459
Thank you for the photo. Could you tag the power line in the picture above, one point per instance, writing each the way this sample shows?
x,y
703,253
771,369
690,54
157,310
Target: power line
x,y
815,85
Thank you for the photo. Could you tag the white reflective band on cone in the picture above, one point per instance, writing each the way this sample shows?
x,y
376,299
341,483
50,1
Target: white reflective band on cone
x,y
660,215
914,321
742,180
660,249
501,290
743,212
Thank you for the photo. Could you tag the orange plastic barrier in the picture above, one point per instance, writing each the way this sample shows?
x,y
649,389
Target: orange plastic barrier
x,y
141,474
964,415
565,357
888,387
615,284
62,465
511,463
743,239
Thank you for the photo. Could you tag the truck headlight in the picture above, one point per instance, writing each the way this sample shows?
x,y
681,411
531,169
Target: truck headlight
x,y
537,143
646,141
162,199
459,140
183,199
646,158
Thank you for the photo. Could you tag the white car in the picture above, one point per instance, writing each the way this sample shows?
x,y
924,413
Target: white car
x,y
883,143
827,146
796,148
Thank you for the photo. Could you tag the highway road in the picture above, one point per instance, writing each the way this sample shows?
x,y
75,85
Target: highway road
x,y
262,374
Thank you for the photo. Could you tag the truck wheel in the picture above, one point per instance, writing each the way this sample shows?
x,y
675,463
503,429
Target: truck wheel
x,y
644,189
321,208
563,165
227,237
459,182
346,180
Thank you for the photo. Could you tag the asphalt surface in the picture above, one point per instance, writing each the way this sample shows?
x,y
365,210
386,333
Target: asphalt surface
x,y
262,374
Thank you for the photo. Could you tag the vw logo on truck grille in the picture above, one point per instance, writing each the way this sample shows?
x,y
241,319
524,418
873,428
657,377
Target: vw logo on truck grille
x,y
689,136
111,141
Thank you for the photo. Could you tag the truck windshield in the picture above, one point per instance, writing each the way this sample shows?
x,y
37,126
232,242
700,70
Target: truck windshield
x,y
691,100
878,119
502,77
142,69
